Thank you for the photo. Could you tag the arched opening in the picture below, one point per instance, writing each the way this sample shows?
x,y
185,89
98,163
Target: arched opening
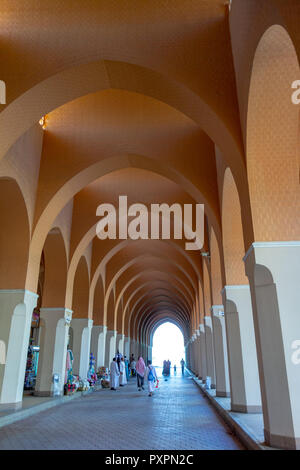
x,y
14,235
55,277
81,290
37,331
233,240
216,273
273,139
168,344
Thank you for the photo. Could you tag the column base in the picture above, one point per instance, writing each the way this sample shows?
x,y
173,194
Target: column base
x,y
11,406
246,408
282,442
223,394
42,393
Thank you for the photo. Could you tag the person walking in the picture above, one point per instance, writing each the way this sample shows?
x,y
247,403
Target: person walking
x,y
140,372
182,366
123,378
114,374
132,367
126,367
118,358
151,377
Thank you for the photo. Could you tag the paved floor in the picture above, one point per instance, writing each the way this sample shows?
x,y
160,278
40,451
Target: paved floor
x,y
28,402
176,417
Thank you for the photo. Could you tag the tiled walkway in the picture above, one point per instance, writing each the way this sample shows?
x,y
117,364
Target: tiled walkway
x,y
176,417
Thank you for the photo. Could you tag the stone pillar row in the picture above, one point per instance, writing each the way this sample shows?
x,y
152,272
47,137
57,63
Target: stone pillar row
x,y
250,347
273,270
243,366
56,327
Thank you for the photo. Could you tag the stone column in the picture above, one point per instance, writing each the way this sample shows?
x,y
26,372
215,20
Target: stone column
x,y
137,350
132,347
220,350
273,269
82,328
16,307
187,361
195,350
96,330
197,355
98,344
55,324
192,357
203,352
110,346
149,354
210,357
102,347
145,352
243,367
127,347
188,354
120,343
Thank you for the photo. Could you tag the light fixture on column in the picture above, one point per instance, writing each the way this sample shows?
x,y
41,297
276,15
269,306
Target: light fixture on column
x,y
43,122
228,3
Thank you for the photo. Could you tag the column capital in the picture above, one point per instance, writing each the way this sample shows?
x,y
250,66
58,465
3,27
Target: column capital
x,y
22,292
217,310
229,288
55,314
262,245
111,333
207,319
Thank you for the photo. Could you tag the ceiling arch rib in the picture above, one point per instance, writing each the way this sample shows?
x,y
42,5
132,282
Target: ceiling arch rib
x,y
161,306
134,303
148,287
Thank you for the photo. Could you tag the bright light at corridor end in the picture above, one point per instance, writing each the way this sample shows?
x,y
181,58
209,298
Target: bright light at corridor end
x,y
168,343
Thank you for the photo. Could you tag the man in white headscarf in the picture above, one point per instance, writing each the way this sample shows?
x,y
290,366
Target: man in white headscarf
x,y
123,379
114,375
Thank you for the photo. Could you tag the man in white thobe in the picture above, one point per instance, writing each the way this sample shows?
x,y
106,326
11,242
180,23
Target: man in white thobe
x,y
114,375
123,379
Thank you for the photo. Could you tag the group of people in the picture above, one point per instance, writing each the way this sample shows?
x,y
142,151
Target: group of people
x,y
167,367
147,374
119,373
